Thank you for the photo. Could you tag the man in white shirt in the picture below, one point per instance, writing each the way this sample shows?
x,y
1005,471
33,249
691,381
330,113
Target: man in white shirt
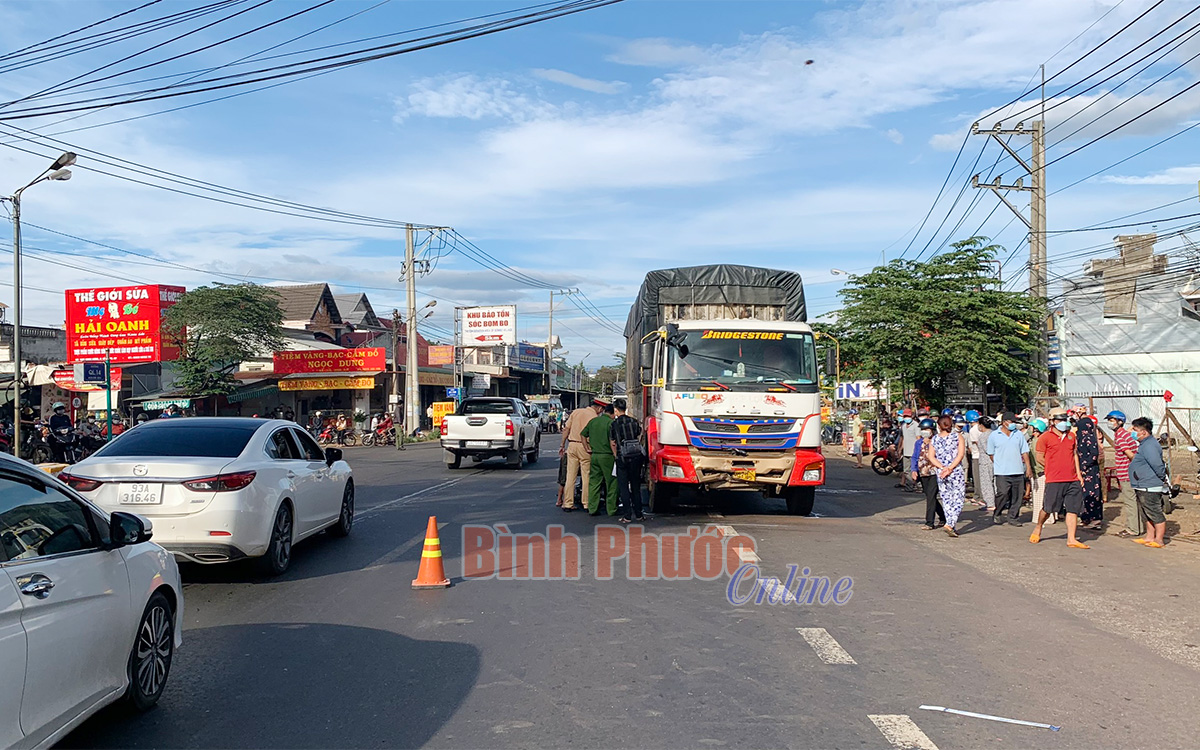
x,y
973,438
909,431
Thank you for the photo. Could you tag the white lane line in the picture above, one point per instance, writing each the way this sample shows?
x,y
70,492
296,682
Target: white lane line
x,y
516,481
902,732
830,651
747,555
726,530
405,498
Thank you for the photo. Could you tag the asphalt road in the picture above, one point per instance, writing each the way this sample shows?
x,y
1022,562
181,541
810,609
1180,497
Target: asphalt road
x,y
342,652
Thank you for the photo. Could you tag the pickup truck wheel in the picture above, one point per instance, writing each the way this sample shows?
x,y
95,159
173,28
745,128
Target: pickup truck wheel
x,y
453,460
662,497
513,458
536,452
800,500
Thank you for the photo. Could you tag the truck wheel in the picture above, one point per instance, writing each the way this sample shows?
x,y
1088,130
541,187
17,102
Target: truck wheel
x,y
662,497
453,460
512,459
536,452
800,500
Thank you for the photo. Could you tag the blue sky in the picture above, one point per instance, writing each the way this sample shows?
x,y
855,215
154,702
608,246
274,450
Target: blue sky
x,y
590,149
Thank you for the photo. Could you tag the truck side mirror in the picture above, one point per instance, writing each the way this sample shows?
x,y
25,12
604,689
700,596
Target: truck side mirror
x,y
646,373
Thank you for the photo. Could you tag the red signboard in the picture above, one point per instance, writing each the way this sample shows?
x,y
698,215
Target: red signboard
x,y
65,379
123,322
330,360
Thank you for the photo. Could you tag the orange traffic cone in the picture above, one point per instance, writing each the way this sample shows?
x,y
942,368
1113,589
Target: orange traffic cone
x,y
431,574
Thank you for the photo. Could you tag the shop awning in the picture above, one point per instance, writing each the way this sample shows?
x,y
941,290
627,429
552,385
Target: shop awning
x,y
258,390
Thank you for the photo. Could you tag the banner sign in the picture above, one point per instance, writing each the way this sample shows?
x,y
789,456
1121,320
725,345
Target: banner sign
x,y
122,322
528,357
327,384
441,355
441,409
860,390
321,361
490,326
65,379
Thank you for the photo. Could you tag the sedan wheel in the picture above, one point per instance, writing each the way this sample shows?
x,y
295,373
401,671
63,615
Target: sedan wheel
x,y
150,661
279,551
346,517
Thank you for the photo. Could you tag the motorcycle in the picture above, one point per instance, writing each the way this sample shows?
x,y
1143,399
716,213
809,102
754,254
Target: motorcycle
x,y
34,447
380,436
67,442
329,436
885,463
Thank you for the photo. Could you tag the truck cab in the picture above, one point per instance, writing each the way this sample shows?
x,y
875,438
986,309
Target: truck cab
x,y
733,404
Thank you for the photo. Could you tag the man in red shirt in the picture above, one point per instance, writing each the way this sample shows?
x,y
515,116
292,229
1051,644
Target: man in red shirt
x,y
1126,446
1064,480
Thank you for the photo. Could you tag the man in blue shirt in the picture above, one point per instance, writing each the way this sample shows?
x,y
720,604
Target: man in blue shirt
x,y
1010,459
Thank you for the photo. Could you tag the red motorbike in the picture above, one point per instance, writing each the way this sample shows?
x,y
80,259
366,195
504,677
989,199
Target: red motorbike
x,y
886,461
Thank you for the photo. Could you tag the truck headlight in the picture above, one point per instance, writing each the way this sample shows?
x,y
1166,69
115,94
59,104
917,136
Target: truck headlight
x,y
812,475
671,471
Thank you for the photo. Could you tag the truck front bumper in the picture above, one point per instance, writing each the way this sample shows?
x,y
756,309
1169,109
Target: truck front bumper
x,y
803,467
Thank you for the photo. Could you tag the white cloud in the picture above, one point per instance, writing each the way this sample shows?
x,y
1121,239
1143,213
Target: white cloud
x,y
895,136
657,53
579,82
471,97
1189,175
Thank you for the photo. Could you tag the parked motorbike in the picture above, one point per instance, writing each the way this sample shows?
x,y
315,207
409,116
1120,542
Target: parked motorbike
x,y
885,463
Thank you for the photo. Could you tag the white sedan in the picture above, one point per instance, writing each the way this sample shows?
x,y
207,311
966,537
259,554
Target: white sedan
x,y
90,609
223,488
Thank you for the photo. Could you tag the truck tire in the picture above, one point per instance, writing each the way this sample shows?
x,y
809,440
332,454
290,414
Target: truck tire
x,y
513,458
536,452
662,497
453,460
800,500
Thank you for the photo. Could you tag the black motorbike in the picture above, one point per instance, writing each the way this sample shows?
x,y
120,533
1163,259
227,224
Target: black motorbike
x,y
65,442
34,447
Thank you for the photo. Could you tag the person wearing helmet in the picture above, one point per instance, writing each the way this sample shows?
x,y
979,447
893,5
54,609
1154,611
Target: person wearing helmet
x,y
856,437
948,412
1126,446
59,420
1064,480
910,433
921,469
982,497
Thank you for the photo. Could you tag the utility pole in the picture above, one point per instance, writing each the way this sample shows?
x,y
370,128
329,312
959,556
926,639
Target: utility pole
x,y
550,341
1036,222
412,388
397,418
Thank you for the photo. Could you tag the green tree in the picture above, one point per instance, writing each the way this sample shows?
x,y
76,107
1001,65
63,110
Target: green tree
x,y
221,326
915,321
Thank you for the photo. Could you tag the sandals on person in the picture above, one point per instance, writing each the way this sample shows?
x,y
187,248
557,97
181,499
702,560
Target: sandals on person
x,y
1077,545
1155,545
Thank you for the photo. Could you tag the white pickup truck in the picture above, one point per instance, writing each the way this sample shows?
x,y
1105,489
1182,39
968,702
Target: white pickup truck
x,y
485,426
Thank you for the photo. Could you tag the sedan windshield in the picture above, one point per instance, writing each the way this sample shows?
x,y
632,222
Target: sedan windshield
x,y
203,441
744,360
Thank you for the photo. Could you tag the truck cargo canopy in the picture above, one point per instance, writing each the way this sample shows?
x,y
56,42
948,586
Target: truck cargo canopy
x,y
733,291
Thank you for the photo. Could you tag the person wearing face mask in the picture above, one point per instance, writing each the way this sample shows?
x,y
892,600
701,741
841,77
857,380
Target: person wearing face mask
x,y
910,432
1064,481
1009,451
1037,484
922,470
947,451
1125,447
1148,475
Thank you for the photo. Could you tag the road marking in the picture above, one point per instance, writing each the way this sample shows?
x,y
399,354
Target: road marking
x,y
830,651
400,551
902,732
405,498
516,481
726,530
747,555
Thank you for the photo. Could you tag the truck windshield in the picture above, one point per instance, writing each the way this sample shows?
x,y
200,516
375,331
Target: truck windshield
x,y
745,360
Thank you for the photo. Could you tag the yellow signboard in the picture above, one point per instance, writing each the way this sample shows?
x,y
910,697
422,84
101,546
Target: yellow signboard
x,y
326,384
441,409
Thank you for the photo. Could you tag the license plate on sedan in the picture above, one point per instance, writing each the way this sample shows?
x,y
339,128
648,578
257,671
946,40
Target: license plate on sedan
x,y
139,493
746,475
477,443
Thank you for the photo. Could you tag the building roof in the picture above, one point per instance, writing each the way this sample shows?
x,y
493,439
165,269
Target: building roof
x,y
356,309
301,302
1163,320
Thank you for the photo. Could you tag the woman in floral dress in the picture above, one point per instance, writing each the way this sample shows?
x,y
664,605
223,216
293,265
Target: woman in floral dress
x,y
946,452
1088,447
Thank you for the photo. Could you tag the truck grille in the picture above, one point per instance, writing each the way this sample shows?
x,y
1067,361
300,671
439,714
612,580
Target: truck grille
x,y
776,442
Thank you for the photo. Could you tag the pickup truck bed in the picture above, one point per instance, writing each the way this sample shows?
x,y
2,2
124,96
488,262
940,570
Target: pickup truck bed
x,y
487,427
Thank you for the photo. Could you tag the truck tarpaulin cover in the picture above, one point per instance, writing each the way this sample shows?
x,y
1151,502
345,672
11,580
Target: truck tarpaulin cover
x,y
727,285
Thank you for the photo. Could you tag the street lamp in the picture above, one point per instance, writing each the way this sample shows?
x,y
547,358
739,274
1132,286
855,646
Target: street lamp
x,y
839,272
56,172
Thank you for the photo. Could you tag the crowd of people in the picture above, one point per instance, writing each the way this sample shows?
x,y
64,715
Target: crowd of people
x,y
603,447
1054,464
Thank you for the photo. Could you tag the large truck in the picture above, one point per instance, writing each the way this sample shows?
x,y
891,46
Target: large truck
x,y
722,372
